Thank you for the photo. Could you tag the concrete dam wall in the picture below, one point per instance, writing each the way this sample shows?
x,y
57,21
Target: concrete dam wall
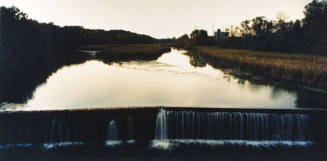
x,y
162,123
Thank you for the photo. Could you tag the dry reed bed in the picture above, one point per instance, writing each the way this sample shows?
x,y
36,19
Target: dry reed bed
x,y
128,49
125,52
296,68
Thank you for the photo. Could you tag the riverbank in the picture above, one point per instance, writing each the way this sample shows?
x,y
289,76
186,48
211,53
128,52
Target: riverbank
x,y
296,69
121,52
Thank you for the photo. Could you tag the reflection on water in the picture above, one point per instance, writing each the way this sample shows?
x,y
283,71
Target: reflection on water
x,y
175,79
169,81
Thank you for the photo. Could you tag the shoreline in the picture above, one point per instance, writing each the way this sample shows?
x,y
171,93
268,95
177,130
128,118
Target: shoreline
x,y
269,67
126,52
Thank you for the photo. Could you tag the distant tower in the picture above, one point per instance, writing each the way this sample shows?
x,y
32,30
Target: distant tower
x,y
219,35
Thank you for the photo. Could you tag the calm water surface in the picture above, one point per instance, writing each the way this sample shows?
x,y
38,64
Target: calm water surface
x,y
171,80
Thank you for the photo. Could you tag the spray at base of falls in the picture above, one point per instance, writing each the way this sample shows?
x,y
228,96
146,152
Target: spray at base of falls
x,y
112,134
171,144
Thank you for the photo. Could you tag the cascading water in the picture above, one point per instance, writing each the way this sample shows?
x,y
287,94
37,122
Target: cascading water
x,y
130,129
161,125
61,134
112,131
231,126
60,131
112,134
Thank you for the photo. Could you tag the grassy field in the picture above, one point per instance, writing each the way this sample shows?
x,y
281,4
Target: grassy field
x,y
129,51
294,68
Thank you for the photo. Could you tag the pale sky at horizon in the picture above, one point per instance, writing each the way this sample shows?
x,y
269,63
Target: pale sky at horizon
x,y
160,19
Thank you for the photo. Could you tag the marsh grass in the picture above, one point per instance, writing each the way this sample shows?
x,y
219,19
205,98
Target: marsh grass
x,y
129,51
298,69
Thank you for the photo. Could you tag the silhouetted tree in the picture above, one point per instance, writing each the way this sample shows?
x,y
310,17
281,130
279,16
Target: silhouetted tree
x,y
199,36
304,36
30,51
25,41
184,42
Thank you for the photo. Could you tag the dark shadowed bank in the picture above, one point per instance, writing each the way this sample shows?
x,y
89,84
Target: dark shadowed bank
x,y
30,51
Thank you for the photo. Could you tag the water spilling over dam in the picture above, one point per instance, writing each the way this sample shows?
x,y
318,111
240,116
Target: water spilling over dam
x,y
232,126
112,130
161,124
152,130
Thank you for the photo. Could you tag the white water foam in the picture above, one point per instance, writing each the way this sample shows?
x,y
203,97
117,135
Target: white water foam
x,y
113,142
7,146
60,144
44,146
171,143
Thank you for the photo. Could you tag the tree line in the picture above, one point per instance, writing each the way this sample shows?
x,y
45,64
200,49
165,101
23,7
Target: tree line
x,y
25,40
308,35
30,51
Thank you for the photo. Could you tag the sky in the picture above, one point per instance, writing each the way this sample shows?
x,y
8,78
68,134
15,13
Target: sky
x,y
157,18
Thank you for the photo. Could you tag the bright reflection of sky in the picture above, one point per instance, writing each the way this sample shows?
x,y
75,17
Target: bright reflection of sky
x,y
169,81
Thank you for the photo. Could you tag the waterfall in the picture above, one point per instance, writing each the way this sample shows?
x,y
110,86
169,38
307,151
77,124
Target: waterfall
x,y
130,128
231,126
112,131
60,131
161,125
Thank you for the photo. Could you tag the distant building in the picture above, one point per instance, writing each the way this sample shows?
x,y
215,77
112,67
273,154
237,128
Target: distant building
x,y
221,35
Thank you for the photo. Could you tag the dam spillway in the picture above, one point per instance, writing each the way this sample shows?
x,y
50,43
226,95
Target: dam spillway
x,y
232,126
162,123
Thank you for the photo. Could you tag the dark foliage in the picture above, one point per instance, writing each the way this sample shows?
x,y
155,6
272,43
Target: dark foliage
x,y
30,51
308,35
25,41
197,37
301,36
